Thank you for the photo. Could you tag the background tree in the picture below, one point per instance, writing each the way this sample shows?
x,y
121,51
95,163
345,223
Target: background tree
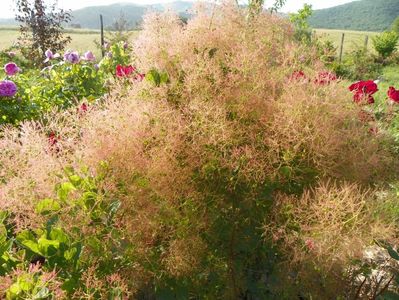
x,y
395,25
41,27
256,6
300,20
120,30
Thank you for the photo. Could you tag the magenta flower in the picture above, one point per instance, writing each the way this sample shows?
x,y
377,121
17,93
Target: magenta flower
x,y
89,56
8,88
72,57
11,69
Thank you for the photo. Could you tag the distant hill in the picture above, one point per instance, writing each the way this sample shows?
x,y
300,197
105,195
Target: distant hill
x,y
365,15
89,17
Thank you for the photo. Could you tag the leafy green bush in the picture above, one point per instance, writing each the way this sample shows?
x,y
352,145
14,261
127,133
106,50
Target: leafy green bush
x,y
358,65
386,43
60,85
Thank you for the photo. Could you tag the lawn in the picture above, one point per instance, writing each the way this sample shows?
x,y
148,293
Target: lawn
x,y
82,39
352,38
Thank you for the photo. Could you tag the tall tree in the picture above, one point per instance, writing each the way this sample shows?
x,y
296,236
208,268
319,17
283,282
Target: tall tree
x,y
41,27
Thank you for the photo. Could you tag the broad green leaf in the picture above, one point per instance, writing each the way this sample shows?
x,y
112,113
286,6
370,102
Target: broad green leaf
x,y
47,247
64,189
57,234
46,206
89,199
75,180
154,77
28,240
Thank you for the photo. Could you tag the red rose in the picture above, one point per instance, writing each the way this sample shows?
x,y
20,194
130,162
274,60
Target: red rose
x,y
393,94
123,71
83,108
364,90
298,75
53,142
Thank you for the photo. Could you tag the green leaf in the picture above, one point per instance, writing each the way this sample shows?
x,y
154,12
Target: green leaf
x,y
154,77
64,189
44,293
75,180
47,247
89,199
286,171
392,253
28,240
164,77
3,234
57,234
46,206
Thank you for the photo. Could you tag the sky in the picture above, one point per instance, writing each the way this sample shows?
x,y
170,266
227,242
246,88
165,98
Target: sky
x,y
291,5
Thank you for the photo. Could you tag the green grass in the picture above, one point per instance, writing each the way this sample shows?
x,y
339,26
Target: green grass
x,y
82,39
352,38
390,77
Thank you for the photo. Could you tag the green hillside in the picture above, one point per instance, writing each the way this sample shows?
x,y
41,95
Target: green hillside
x,y
89,17
365,15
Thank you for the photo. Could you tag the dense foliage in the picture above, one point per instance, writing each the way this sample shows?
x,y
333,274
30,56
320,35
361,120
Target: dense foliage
x,y
238,167
65,82
386,43
366,15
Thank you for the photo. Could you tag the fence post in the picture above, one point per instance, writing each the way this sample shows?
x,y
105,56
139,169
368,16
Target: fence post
x,y
342,47
102,35
366,42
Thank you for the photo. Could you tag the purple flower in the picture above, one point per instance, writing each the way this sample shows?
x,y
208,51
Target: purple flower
x,y
11,54
8,88
96,67
106,45
109,54
11,69
125,45
50,55
72,57
89,56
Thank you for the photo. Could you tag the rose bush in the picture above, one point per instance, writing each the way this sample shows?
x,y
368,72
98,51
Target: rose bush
x,y
66,81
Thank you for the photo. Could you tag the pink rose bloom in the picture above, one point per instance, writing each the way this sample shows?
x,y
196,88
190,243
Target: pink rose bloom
x,y
89,56
50,55
11,69
72,57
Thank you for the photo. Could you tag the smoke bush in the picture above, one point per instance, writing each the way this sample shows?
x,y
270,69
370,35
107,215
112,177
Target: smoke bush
x,y
201,162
